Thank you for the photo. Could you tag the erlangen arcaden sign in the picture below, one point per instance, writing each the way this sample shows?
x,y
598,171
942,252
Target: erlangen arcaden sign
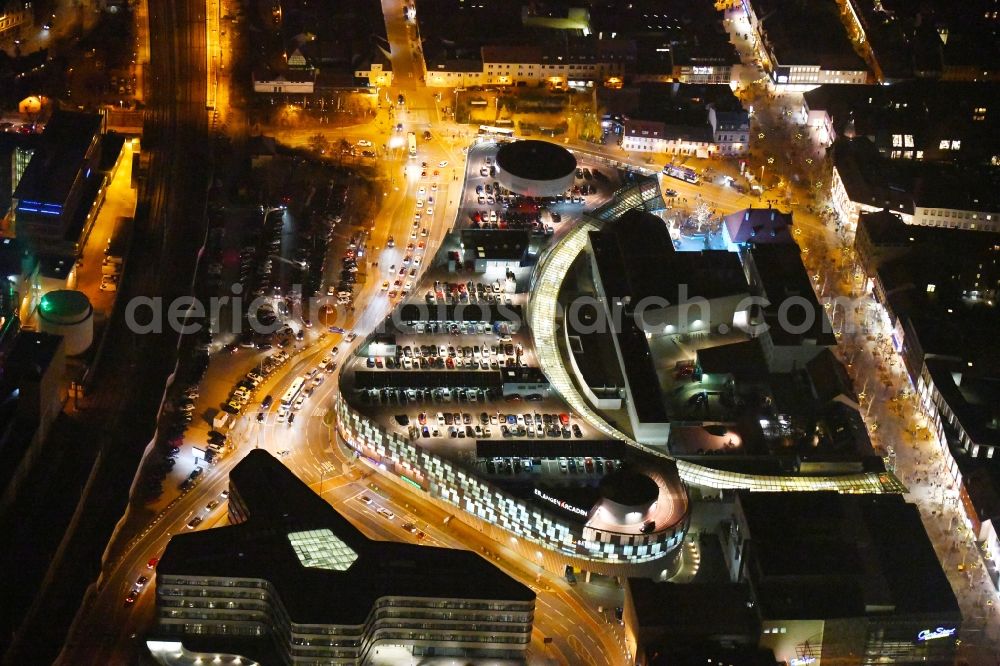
x,y
561,504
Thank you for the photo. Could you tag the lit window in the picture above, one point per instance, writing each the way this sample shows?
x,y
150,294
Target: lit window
x,y
956,145
322,549
945,144
908,140
931,288
897,140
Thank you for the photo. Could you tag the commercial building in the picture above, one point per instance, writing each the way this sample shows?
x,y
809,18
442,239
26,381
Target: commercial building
x,y
845,579
291,581
697,623
642,282
788,318
558,278
683,42
53,199
16,150
681,119
287,82
580,62
589,526
827,56
756,226
805,420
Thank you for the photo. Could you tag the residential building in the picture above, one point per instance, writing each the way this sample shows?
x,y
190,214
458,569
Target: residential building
x,y
933,121
681,119
924,194
263,586
15,19
31,398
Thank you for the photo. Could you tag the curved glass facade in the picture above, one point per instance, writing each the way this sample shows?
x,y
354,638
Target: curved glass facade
x,y
461,488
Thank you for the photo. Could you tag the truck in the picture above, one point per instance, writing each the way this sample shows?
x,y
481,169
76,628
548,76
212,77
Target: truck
x,y
222,421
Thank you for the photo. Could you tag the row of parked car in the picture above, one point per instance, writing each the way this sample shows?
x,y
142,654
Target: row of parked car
x,y
575,465
243,391
400,396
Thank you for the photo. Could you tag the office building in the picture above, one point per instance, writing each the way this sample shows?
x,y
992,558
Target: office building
x,y
291,581
53,198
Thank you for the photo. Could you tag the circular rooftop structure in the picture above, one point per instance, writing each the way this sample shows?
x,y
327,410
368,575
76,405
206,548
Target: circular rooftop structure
x,y
535,168
629,488
68,313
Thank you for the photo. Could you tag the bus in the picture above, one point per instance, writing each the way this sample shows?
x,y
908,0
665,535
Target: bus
x,y
411,142
682,172
293,391
489,130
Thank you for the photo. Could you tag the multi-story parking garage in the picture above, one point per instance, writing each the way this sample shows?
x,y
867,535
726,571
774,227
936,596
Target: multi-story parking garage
x,y
535,168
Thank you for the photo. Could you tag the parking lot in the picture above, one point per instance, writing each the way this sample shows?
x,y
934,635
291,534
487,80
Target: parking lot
x,y
487,205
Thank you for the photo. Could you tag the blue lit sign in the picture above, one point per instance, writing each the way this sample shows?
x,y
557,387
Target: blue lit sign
x,y
932,634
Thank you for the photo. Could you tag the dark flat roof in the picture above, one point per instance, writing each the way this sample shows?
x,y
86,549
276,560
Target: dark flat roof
x,y
693,610
491,312
59,157
30,356
824,554
644,383
974,399
278,504
496,244
535,160
745,361
654,268
783,277
593,352
787,23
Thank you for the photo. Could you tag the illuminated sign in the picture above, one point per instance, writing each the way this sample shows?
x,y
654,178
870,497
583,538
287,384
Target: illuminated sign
x,y
932,634
411,482
702,71
559,503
